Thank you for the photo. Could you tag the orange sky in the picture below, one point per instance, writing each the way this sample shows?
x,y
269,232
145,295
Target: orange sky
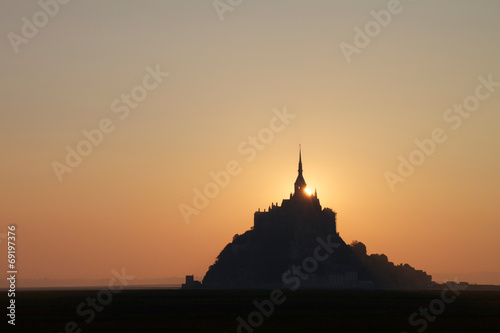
x,y
227,80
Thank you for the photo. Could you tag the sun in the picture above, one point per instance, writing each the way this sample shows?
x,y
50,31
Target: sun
x,y
308,191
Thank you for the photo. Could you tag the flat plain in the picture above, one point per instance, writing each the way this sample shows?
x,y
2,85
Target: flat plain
x,y
218,310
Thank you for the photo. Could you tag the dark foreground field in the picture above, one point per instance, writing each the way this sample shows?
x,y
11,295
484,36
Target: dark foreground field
x,y
217,311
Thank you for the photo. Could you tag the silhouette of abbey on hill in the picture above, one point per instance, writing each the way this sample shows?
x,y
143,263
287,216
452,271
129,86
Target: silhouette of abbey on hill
x,y
297,245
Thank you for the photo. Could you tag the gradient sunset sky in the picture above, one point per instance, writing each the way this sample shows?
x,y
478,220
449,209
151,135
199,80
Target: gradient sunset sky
x,y
227,80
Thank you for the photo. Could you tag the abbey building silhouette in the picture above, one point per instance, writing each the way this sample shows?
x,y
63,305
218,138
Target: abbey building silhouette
x,y
283,236
300,214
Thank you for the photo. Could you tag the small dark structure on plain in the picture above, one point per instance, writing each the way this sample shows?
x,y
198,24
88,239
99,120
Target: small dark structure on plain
x,y
191,283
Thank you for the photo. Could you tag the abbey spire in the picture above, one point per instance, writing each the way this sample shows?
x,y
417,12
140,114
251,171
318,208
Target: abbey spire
x,y
300,161
300,183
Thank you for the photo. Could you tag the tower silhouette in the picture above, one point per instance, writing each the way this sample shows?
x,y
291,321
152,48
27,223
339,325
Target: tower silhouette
x,y
300,183
297,216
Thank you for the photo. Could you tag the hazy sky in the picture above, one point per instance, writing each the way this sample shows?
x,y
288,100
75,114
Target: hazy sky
x,y
102,65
